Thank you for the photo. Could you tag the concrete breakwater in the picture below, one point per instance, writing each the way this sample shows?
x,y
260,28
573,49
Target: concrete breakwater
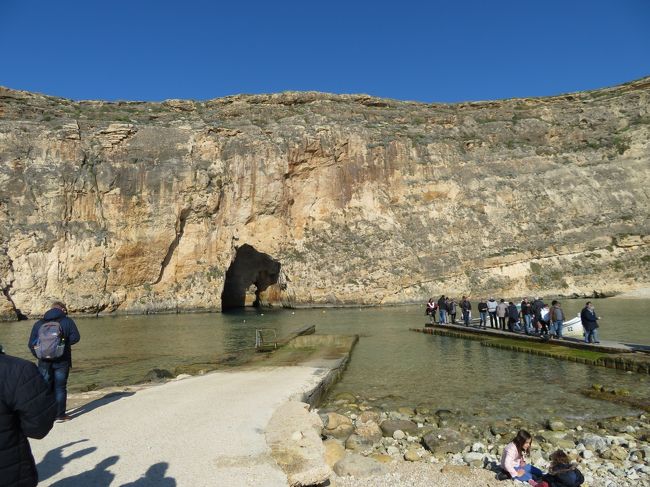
x,y
247,426
612,355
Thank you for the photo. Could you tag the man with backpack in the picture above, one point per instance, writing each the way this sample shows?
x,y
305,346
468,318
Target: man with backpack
x,y
51,342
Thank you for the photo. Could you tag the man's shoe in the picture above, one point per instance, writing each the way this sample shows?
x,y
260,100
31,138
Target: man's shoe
x,y
62,419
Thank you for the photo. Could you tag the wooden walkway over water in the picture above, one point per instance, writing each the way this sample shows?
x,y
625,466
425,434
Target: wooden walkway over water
x,y
624,356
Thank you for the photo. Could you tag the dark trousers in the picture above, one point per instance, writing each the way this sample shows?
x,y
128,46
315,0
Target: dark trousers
x,y
493,319
466,317
502,323
56,376
453,317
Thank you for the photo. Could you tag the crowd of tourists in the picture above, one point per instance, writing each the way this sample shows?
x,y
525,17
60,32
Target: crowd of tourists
x,y
530,316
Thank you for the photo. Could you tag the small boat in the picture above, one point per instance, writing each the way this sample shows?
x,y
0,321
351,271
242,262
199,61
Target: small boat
x,y
573,328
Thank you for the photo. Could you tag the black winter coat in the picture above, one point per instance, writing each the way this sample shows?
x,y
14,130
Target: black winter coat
x,y
589,319
27,409
564,476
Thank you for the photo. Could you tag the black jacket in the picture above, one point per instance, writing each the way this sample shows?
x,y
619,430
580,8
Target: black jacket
x,y
27,409
513,312
68,327
589,319
564,476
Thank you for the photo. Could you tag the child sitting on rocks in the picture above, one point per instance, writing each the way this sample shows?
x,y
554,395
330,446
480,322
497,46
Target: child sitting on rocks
x,y
513,460
561,473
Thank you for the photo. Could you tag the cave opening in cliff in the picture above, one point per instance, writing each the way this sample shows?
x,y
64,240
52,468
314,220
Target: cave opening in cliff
x,y
250,271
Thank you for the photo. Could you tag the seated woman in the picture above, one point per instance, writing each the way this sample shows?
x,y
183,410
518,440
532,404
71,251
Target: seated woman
x,y
561,473
513,459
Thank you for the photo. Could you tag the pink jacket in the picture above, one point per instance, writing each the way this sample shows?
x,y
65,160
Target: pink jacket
x,y
511,460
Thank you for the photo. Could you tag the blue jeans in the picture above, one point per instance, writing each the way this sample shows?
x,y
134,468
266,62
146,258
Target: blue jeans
x,y
591,336
527,324
442,316
556,328
466,317
56,376
483,315
529,471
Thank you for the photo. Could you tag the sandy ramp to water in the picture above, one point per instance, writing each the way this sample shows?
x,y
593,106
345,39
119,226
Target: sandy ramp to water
x,y
199,431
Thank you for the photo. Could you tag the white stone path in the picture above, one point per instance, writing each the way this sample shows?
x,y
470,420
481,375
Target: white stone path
x,y
199,431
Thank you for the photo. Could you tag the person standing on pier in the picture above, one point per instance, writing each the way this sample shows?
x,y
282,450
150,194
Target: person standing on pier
x,y
536,308
492,311
442,310
452,311
513,317
482,312
526,315
431,310
590,323
556,318
55,370
502,312
466,306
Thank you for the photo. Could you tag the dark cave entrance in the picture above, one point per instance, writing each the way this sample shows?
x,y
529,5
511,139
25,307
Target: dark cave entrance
x,y
249,268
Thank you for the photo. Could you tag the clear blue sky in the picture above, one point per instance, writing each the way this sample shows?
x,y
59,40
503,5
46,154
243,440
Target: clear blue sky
x,y
411,50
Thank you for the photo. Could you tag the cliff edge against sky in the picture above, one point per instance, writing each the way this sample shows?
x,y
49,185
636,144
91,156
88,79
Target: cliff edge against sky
x,y
315,198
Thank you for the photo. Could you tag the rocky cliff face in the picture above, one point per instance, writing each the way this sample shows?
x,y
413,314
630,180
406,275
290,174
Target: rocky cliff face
x,y
142,207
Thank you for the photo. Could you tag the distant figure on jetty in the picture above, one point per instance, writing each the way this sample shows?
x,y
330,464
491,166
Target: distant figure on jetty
x,y
431,310
492,311
526,316
51,342
482,313
513,317
466,307
556,319
452,311
513,460
561,472
536,308
544,320
442,310
27,409
502,312
590,323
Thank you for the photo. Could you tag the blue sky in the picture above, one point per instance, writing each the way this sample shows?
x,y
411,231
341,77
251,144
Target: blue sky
x,y
428,51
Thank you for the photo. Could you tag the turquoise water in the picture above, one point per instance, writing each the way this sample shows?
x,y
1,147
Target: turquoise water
x,y
391,366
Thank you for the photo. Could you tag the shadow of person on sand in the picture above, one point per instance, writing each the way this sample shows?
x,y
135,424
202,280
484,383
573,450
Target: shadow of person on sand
x,y
97,403
53,461
97,477
155,477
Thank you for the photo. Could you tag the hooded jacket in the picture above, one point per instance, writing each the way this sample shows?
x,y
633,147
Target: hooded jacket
x,y
68,328
564,476
27,409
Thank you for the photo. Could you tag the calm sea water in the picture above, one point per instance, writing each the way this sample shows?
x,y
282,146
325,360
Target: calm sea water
x,y
390,365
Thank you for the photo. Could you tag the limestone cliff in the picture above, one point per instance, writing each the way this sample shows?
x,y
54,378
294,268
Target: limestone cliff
x,y
142,207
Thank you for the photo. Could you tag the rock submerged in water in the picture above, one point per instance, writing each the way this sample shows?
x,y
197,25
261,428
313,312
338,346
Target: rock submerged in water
x,y
390,426
157,375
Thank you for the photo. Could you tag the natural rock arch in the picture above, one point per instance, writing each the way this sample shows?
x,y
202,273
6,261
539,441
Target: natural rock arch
x,y
249,267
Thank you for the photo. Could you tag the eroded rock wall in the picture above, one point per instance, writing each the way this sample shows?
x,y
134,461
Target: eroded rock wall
x,y
139,207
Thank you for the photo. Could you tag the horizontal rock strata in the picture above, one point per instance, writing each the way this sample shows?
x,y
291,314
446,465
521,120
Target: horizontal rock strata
x,y
141,207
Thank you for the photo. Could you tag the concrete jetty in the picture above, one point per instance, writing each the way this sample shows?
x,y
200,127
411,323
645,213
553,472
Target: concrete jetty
x,y
607,353
193,431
